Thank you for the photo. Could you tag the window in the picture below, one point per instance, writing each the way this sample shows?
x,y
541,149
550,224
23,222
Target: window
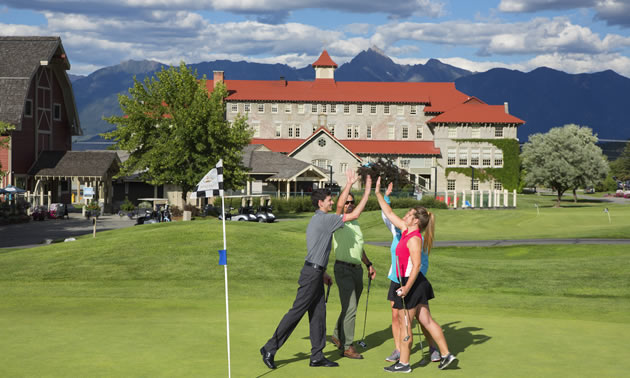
x,y
498,185
450,184
451,157
476,132
413,110
349,132
301,108
274,108
401,109
498,132
475,184
385,109
452,132
290,131
57,112
321,163
419,132
369,131
486,157
256,128
391,132
474,158
372,109
346,108
404,163
321,142
463,158
333,108
498,158
359,109
287,108
247,108
314,108
405,132
278,129
298,129
322,108
233,108
343,167
356,131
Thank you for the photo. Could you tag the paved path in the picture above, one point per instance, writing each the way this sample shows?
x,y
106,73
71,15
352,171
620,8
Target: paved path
x,y
502,243
35,233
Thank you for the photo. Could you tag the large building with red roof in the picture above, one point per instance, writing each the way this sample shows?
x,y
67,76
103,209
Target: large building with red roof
x,y
346,124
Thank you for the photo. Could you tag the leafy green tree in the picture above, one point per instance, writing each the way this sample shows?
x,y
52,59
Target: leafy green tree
x,y
5,137
564,158
621,166
388,171
176,132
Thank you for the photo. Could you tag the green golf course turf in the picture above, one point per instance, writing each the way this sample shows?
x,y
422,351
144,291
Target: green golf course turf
x,y
150,301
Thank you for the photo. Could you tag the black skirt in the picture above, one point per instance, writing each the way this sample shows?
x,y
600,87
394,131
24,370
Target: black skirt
x,y
421,292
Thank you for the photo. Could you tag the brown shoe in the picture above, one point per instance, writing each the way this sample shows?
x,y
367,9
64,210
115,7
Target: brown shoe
x,y
336,342
351,353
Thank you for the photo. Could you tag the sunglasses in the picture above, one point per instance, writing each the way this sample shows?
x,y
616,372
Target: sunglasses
x,y
349,202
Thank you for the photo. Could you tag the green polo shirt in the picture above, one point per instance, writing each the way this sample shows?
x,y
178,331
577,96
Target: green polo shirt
x,y
348,243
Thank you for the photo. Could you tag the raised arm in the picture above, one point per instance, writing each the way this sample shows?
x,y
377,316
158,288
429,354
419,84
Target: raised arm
x,y
387,210
366,195
351,178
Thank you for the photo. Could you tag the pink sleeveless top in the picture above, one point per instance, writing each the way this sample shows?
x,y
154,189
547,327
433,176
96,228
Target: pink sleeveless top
x,y
402,253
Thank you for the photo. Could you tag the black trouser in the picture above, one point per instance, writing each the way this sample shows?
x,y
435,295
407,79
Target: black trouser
x,y
310,297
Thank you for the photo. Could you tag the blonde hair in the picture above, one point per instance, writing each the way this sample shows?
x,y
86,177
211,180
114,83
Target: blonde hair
x,y
427,226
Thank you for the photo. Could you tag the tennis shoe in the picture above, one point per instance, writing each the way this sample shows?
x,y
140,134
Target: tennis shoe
x,y
398,368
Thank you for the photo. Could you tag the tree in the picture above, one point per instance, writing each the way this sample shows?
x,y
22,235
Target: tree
x,y
175,132
388,171
621,166
564,158
5,137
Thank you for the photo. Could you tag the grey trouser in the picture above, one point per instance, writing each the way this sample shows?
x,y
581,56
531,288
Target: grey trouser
x,y
350,283
310,297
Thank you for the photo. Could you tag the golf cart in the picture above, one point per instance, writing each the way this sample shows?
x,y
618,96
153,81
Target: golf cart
x,y
245,211
264,211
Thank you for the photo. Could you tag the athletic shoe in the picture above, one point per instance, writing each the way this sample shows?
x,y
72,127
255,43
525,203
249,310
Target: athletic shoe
x,y
446,360
435,354
398,368
394,357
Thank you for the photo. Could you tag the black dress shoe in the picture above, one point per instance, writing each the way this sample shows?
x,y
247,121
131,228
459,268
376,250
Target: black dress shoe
x,y
323,362
267,358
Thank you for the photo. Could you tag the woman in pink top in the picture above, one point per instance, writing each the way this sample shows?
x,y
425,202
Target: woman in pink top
x,y
414,287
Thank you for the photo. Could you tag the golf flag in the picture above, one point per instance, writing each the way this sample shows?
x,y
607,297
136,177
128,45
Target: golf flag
x,y
222,257
211,185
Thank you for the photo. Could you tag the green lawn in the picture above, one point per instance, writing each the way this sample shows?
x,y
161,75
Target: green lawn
x,y
149,300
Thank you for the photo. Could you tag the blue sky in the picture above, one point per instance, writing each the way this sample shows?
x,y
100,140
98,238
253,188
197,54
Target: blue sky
x,y
571,35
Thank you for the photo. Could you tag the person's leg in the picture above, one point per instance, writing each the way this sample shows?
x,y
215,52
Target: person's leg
x,y
405,346
317,324
395,326
425,332
307,292
346,291
349,321
434,329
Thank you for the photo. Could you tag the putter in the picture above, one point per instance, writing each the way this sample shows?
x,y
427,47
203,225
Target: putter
x,y
362,342
327,292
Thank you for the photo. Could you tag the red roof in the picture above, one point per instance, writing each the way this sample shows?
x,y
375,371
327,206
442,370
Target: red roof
x,y
325,60
440,96
357,147
476,111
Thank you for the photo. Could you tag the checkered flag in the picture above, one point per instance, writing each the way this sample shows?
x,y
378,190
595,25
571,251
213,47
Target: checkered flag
x,y
211,185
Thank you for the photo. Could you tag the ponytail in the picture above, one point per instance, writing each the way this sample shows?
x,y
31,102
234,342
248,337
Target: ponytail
x,y
428,233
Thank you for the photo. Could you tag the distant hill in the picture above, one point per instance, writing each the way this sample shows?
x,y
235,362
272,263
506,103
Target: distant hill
x,y
544,98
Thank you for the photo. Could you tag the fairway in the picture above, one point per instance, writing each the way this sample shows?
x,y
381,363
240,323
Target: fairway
x,y
149,301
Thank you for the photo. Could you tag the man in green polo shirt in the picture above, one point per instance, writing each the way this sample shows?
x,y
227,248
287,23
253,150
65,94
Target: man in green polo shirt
x,y
349,253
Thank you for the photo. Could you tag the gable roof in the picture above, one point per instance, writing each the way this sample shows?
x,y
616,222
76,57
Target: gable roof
x,y
21,58
324,60
262,161
476,111
74,163
323,130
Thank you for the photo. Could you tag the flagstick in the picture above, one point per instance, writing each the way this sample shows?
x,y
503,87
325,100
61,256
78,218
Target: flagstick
x,y
227,310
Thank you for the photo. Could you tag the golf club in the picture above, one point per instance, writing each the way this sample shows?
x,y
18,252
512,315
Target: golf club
x,y
362,342
327,292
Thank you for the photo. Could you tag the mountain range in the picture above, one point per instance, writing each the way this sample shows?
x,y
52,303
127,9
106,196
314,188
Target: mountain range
x,y
544,97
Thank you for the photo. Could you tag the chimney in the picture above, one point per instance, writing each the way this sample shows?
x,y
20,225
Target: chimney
x,y
283,82
218,77
505,105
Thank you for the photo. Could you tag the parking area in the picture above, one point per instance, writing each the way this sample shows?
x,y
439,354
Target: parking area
x,y
37,233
